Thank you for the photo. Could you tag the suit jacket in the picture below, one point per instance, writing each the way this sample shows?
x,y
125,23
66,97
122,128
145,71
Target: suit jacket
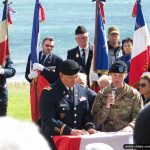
x,y
57,108
9,72
74,54
51,67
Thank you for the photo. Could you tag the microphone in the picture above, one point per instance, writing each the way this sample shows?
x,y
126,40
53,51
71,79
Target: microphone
x,y
114,89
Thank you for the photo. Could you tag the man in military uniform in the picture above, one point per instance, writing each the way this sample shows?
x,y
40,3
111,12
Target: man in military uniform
x,y
64,106
117,105
83,53
48,63
6,71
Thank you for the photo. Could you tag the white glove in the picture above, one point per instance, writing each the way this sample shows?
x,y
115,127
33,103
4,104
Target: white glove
x,y
37,66
33,74
2,71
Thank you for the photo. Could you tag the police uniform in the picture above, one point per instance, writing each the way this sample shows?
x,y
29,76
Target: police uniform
x,y
51,67
128,102
62,111
9,71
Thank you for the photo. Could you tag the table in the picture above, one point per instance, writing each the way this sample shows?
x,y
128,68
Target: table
x,y
114,139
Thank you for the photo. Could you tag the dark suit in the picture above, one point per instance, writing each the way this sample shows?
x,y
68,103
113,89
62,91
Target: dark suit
x,y
51,67
9,72
74,54
58,108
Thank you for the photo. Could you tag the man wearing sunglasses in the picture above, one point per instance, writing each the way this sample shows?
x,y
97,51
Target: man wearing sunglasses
x,y
116,106
48,63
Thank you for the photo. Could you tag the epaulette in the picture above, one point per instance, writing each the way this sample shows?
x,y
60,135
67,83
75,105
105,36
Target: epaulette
x,y
47,88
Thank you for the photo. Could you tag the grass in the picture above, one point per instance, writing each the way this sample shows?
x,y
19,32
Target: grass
x,y
19,103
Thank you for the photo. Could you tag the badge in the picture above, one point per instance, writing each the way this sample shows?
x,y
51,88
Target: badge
x,y
77,55
52,68
82,98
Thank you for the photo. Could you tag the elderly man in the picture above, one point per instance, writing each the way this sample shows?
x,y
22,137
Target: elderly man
x,y
114,48
83,53
48,63
116,106
64,106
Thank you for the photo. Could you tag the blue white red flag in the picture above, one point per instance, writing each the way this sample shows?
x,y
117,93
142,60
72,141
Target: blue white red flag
x,y
101,48
140,59
4,46
35,35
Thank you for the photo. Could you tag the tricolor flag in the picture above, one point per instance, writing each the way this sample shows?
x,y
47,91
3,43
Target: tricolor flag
x,y
140,59
4,46
100,61
40,82
101,48
35,34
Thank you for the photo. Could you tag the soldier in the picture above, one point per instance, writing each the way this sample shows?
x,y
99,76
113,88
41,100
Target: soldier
x,y
6,71
64,106
83,53
117,110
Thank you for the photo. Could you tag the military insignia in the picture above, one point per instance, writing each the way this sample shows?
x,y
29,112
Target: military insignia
x,y
63,105
120,69
82,98
77,55
56,129
47,88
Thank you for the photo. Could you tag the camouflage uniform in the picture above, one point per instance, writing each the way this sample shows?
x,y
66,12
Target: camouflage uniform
x,y
128,102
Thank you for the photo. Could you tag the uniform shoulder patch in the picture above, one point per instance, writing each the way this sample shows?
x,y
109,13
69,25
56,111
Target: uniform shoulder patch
x,y
47,88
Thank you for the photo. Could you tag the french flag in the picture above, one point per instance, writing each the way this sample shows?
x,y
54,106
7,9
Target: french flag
x,y
4,46
140,59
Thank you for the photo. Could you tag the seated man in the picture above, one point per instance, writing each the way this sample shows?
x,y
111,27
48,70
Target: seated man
x,y
64,106
117,105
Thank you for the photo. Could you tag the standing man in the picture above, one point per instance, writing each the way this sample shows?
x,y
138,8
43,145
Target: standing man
x,y
83,53
6,71
64,106
48,63
116,106
114,48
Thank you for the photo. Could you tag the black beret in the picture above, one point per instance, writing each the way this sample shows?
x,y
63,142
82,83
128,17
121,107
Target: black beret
x,y
80,30
69,67
118,67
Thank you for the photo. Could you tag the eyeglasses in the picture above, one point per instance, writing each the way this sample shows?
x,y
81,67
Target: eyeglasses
x,y
47,45
142,85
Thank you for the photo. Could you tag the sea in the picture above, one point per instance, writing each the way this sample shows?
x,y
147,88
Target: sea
x,y
62,18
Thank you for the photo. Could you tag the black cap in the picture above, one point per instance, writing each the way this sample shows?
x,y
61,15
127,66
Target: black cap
x,y
118,67
80,30
69,67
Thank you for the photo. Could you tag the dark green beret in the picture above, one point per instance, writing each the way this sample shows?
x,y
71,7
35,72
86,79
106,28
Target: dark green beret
x,y
118,67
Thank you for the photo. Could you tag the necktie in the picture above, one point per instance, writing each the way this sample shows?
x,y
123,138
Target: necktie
x,y
42,59
83,57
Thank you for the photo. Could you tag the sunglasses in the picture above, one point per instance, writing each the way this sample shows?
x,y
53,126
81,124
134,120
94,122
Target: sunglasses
x,y
47,45
142,85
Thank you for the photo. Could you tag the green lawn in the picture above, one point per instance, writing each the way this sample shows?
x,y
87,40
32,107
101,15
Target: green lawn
x,y
19,103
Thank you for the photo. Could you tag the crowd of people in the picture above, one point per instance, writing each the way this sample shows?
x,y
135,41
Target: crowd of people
x,y
69,106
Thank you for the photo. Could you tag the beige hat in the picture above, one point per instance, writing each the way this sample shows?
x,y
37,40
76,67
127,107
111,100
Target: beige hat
x,y
112,30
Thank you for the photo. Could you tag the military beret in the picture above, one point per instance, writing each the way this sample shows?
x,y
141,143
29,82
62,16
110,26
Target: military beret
x,y
118,67
69,67
80,30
